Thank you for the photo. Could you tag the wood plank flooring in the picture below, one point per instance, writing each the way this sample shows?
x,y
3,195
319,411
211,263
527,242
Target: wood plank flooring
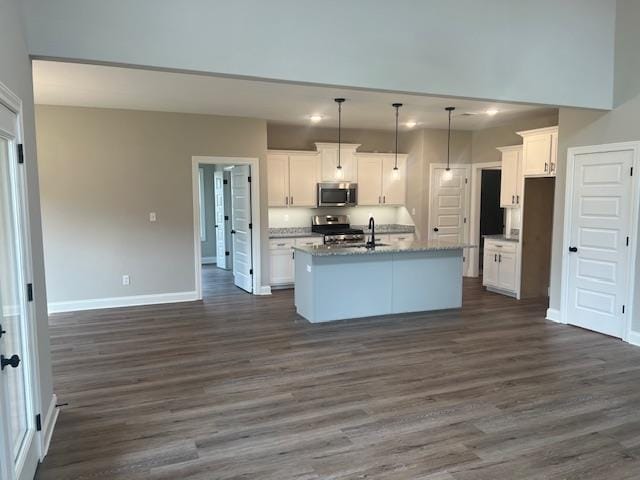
x,y
240,387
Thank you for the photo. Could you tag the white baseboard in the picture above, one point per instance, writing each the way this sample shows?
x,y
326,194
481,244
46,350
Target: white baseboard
x,y
554,315
114,302
634,338
264,290
208,260
50,420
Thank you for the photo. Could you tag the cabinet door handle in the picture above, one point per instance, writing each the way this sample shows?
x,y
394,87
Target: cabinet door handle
x,y
518,199
286,200
384,199
379,199
495,257
499,257
281,244
553,167
513,199
546,166
291,199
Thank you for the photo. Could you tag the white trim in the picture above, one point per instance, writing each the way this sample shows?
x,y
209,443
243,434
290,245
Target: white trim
x,y
568,206
50,420
116,302
634,338
264,290
554,315
208,260
467,167
473,270
254,164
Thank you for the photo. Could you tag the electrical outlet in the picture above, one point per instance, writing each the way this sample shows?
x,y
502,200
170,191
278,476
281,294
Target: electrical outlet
x,y
413,211
125,280
152,217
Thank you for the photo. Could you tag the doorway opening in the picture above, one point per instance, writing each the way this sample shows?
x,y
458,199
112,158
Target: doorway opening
x,y
491,214
225,232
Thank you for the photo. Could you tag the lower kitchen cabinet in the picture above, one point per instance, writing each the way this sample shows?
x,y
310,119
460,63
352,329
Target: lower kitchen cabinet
x,y
281,258
500,266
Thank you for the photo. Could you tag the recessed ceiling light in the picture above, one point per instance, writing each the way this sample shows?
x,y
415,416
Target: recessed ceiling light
x,y
315,118
411,124
491,111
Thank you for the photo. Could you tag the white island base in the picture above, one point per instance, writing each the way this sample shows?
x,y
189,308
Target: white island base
x,y
338,286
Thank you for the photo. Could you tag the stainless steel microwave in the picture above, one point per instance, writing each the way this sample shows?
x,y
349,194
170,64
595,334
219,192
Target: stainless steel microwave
x,y
337,194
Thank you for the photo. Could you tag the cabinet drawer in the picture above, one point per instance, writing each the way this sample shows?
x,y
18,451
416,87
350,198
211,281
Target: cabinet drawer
x,y
401,237
279,243
509,247
309,241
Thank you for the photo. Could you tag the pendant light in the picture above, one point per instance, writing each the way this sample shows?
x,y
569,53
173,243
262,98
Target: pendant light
x,y
447,173
396,172
339,172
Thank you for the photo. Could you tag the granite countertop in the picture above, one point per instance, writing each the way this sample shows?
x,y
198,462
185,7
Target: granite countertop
x,y
292,232
501,238
384,228
397,247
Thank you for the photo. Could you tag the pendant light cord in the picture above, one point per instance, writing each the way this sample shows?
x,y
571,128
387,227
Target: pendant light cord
x,y
339,101
449,109
397,114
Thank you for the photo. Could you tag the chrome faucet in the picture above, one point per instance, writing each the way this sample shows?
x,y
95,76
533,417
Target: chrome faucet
x,y
372,226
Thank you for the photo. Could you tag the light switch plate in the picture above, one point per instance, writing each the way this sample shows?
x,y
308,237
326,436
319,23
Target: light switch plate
x,y
126,280
152,217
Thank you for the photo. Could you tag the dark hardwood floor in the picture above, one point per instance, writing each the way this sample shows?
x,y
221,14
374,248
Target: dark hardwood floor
x,y
240,387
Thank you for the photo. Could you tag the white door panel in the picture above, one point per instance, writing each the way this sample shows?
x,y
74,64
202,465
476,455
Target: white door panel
x,y
221,223
448,204
241,220
599,227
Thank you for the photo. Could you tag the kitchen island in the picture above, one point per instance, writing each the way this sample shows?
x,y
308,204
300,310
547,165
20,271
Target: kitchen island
x,y
337,283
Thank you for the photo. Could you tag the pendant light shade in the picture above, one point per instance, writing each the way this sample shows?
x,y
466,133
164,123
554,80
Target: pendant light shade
x,y
395,166
339,101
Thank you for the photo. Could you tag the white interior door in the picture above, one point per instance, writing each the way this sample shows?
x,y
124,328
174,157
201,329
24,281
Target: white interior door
x,y
241,227
598,255
18,449
448,202
221,220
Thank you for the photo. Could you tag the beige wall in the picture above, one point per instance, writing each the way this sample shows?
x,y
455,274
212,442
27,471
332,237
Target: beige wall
x,y
103,171
590,127
15,74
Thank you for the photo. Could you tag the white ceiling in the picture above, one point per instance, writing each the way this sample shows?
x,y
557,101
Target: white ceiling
x,y
59,83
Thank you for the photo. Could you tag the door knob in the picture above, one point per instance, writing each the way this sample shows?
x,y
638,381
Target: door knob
x,y
13,361
573,249
233,232
2,332
436,229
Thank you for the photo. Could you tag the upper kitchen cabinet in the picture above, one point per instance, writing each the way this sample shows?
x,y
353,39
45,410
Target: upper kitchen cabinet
x,y
378,182
329,171
540,152
292,178
511,177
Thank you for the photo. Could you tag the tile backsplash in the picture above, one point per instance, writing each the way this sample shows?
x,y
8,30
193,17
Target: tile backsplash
x,y
301,217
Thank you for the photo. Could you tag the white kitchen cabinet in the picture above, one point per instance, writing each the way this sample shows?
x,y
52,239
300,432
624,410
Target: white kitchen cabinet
x,y
394,182
540,152
278,179
281,256
329,171
292,179
378,183
500,266
511,176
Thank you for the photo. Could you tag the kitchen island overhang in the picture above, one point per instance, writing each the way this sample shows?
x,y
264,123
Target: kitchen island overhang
x,y
338,283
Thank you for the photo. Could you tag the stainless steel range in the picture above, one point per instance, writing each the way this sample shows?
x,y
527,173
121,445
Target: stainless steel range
x,y
336,230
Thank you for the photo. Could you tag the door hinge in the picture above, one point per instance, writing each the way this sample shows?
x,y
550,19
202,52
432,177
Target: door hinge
x,y
20,153
465,220
631,171
627,241
251,271
466,180
622,308
225,181
30,292
38,422
226,217
250,226
226,254
249,178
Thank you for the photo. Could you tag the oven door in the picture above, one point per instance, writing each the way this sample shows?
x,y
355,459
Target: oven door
x,y
337,194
